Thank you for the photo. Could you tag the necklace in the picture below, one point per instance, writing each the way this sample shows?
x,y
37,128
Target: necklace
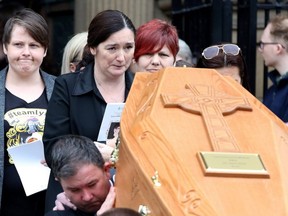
x,y
110,97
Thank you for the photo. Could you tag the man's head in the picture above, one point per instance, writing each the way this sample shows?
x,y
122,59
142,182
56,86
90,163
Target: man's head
x,y
121,212
274,41
80,168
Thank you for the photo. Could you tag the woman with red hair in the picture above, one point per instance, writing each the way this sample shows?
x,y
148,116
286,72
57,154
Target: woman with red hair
x,y
156,46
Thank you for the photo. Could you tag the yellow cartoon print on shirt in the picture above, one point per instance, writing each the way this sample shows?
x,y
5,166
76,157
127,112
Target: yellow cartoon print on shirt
x,y
26,125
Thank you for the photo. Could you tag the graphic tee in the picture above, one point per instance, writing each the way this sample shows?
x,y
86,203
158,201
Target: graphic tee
x,y
23,122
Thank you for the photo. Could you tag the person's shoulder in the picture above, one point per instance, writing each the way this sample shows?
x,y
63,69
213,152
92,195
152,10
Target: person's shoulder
x,y
69,77
77,74
4,69
46,75
3,72
77,82
67,212
56,213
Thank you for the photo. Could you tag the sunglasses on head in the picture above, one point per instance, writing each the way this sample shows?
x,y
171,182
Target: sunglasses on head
x,y
213,51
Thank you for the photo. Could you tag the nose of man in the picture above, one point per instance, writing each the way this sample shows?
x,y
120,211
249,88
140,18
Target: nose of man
x,y
86,195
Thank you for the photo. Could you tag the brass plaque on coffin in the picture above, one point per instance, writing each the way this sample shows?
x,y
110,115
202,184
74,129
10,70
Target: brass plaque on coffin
x,y
227,163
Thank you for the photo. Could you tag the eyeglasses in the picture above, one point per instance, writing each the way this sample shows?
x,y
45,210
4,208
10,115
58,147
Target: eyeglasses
x,y
213,51
261,44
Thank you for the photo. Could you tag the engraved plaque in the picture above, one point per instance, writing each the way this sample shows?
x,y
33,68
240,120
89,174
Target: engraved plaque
x,y
227,163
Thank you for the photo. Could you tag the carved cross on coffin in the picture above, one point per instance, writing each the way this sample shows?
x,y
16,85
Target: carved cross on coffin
x,y
212,105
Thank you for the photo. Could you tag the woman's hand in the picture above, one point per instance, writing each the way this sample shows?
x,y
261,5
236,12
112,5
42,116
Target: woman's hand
x,y
61,201
43,162
109,201
105,150
112,142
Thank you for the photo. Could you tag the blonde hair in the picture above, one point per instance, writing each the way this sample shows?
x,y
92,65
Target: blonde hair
x,y
279,29
73,51
185,52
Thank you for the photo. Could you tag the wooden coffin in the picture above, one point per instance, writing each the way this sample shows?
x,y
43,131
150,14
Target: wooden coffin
x,y
171,122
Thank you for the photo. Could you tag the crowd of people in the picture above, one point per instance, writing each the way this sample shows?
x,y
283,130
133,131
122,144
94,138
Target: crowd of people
x,y
98,68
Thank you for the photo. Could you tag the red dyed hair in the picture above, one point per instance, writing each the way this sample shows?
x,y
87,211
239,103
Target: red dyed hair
x,y
152,36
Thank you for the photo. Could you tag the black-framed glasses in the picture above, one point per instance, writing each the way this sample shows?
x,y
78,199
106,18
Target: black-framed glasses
x,y
261,44
213,51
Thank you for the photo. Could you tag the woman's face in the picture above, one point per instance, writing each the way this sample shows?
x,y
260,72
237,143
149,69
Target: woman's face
x,y
232,71
114,56
156,61
24,54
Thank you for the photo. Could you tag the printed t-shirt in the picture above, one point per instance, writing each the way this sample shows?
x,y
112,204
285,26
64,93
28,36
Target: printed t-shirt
x,y
23,122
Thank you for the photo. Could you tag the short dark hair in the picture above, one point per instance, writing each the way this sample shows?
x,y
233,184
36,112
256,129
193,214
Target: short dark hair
x,y
34,24
71,152
121,212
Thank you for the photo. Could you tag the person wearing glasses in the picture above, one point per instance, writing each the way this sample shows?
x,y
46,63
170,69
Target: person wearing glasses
x,y
156,46
274,50
228,60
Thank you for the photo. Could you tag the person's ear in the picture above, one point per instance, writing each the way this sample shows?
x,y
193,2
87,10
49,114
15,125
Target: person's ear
x,y
107,167
45,53
72,67
4,49
280,48
93,50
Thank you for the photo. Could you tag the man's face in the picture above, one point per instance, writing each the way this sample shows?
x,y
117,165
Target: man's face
x,y
268,51
88,188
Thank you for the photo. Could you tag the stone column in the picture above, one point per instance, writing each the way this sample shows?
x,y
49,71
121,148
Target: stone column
x,y
139,11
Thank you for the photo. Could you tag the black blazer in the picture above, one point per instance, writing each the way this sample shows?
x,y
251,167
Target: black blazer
x,y
76,107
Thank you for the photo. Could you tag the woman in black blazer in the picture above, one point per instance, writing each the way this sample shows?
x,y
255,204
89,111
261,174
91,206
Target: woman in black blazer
x,y
79,99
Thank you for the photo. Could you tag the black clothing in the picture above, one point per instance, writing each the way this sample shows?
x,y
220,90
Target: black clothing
x,y
76,107
69,212
13,194
276,98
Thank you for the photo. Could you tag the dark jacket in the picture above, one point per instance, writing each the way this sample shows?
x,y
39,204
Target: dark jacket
x,y
276,98
76,107
69,212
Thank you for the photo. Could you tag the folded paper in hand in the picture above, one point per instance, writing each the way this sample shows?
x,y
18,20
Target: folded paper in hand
x,y
27,157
